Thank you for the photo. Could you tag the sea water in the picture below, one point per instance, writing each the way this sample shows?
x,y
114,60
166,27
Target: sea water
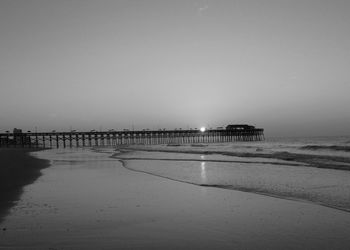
x,y
308,169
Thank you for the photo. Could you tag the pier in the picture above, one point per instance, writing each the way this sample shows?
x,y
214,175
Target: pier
x,y
113,138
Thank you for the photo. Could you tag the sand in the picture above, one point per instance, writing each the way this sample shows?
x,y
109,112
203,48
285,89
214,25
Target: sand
x,y
87,200
17,169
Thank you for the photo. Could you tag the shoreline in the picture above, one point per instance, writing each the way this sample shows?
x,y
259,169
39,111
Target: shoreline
x,y
230,187
203,172
18,169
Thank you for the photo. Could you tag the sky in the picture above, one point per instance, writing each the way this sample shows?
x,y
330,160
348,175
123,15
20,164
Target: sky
x,y
83,64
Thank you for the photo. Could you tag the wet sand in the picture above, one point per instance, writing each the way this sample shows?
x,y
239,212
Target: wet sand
x,y
87,200
17,169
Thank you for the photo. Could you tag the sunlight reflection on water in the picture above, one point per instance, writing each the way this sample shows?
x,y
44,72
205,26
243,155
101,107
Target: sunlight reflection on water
x,y
203,173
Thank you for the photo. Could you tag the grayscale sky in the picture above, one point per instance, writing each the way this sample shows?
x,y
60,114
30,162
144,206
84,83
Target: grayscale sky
x,y
82,64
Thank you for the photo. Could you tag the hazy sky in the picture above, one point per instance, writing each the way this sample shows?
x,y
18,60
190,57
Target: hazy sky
x,y
281,65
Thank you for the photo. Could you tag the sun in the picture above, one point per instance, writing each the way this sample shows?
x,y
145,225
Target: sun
x,y
202,129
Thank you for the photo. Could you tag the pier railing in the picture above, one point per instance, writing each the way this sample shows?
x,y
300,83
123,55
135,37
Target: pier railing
x,y
113,138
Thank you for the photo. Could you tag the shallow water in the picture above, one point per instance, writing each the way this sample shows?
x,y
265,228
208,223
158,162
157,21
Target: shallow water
x,y
286,168
324,186
87,200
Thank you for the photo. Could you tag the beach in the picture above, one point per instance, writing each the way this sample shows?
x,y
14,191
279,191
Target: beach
x,y
192,124
98,199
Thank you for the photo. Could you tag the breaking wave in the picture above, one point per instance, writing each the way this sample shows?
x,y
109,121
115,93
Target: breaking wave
x,y
201,160
314,160
325,147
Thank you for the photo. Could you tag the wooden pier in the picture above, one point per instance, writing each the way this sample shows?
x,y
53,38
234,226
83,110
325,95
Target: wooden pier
x,y
114,138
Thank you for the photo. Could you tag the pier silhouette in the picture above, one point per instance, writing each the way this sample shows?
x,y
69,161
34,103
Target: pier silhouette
x,y
112,138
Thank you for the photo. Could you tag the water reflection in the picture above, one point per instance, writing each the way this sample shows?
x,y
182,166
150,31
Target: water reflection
x,y
203,173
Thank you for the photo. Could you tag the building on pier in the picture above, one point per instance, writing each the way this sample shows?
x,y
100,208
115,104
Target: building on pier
x,y
239,127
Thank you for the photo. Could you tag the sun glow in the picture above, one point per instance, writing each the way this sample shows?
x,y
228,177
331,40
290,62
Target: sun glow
x,y
202,129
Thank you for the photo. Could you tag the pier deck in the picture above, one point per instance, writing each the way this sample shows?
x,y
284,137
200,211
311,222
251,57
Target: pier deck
x,y
112,138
